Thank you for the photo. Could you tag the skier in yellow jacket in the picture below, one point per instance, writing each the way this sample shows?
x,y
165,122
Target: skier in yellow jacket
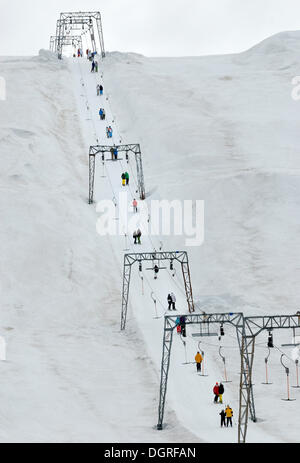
x,y
229,415
199,359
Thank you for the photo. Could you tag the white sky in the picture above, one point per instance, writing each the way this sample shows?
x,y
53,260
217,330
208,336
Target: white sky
x,y
152,27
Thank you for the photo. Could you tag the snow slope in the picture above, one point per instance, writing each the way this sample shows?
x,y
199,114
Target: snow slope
x,y
223,129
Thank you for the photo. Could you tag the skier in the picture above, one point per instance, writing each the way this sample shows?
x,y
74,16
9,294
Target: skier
x,y
123,179
98,90
135,237
221,392
173,301
127,178
101,90
112,151
169,301
135,204
223,416
216,392
101,114
115,154
198,358
93,66
139,234
108,132
78,53
177,322
104,115
229,415
87,53
96,66
183,326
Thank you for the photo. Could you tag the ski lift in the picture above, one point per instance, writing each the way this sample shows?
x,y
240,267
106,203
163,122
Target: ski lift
x,y
297,374
222,333
224,361
156,269
270,340
141,276
172,269
205,329
266,363
154,300
294,343
287,372
184,345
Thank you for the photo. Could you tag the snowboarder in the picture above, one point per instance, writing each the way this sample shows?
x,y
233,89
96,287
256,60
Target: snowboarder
x,y
139,234
169,301
223,416
221,392
173,301
127,178
216,392
134,205
123,179
198,359
229,415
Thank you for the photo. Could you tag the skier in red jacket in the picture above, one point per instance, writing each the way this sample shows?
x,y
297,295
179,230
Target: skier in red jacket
x,y
216,392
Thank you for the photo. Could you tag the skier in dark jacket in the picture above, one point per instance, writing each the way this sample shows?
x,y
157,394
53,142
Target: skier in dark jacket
x,y
139,234
223,416
170,302
221,392
183,325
